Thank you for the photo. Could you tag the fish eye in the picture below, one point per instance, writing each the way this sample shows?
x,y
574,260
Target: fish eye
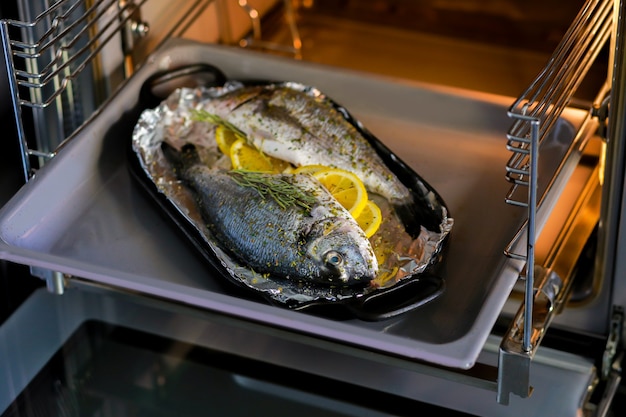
x,y
334,258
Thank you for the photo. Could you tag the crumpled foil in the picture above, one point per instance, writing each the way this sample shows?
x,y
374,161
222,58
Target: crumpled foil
x,y
400,255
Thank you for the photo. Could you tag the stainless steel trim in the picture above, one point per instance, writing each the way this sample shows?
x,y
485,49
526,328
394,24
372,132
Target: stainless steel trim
x,y
611,243
17,109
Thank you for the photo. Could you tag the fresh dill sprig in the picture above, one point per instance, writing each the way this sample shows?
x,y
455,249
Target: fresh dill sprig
x,y
204,116
274,187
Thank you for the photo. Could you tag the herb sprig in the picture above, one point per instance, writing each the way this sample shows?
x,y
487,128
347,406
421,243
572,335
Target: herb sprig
x,y
204,116
284,193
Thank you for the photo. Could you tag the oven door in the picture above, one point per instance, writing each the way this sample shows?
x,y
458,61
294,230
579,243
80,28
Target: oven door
x,y
100,353
108,355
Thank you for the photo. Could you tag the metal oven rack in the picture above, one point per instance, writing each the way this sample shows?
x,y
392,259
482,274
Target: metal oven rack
x,y
59,52
534,114
53,55
65,41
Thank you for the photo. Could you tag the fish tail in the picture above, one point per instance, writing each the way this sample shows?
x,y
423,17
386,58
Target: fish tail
x,y
409,217
413,215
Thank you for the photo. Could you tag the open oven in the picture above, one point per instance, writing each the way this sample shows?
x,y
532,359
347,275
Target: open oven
x,y
113,312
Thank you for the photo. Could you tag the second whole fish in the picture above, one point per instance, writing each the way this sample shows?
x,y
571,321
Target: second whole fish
x,y
310,239
304,129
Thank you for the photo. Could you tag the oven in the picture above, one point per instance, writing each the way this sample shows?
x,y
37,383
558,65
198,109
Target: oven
x,y
109,309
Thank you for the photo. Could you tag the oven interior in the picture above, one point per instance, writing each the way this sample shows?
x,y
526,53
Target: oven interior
x,y
469,58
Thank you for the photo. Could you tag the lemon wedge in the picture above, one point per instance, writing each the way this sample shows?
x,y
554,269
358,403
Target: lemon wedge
x,y
346,187
244,156
225,139
370,218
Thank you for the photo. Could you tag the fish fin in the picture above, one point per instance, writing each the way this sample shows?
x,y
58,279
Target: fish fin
x,y
181,160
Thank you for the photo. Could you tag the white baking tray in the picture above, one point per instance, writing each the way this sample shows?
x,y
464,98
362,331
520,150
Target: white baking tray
x,y
83,215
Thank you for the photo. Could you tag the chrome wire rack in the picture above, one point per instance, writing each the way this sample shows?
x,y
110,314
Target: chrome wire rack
x,y
535,113
55,65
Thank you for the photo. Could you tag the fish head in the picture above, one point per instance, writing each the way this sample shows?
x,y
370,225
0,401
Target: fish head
x,y
342,252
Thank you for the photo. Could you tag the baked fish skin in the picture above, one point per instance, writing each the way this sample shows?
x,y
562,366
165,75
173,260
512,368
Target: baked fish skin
x,y
320,243
303,129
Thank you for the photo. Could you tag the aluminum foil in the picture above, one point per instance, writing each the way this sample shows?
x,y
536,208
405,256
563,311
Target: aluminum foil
x,y
400,256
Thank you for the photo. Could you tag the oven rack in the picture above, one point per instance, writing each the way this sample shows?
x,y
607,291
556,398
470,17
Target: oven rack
x,y
255,39
535,113
54,55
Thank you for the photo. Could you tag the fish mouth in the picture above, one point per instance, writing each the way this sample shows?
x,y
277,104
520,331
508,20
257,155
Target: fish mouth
x,y
351,279
348,276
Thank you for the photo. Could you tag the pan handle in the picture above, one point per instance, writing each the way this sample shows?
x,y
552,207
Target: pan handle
x,y
161,84
400,298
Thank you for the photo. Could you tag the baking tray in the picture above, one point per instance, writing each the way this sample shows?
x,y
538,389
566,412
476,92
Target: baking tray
x,y
83,215
427,218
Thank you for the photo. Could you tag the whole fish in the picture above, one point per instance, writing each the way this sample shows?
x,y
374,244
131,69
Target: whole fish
x,y
304,235
304,129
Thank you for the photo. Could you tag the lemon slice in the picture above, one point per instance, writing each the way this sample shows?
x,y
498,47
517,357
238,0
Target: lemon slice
x,y
225,139
244,156
370,218
346,187
382,279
